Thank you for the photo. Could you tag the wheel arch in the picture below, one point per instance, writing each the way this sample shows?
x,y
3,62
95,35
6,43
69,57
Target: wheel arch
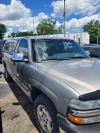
x,y
4,64
5,67
35,92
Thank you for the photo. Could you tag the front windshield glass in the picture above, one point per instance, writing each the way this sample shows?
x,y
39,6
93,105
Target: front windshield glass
x,y
56,49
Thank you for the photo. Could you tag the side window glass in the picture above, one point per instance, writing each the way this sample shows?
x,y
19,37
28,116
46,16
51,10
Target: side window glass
x,y
94,53
23,48
9,46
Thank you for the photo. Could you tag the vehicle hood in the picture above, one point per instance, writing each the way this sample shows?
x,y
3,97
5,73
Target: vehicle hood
x,y
83,75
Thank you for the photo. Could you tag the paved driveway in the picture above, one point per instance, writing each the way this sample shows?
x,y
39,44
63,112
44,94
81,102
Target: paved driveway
x,y
17,110
17,116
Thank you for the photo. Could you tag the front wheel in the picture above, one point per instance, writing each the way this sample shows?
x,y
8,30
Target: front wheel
x,y
45,114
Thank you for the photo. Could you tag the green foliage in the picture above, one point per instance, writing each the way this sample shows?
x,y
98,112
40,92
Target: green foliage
x,y
2,30
60,29
47,27
93,28
26,33
13,34
19,34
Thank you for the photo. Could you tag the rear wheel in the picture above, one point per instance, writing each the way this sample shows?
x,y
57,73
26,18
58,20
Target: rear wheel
x,y
1,60
45,114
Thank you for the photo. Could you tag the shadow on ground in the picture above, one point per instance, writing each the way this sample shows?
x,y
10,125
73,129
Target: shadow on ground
x,y
0,61
23,100
20,96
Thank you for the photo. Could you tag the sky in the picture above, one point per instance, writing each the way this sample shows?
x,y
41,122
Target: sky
x,y
18,15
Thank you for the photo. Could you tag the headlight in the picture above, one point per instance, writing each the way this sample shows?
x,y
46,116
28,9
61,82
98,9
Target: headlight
x,y
84,105
84,112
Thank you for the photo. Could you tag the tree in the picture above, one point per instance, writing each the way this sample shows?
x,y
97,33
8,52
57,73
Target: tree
x,y
93,28
2,30
47,27
13,34
60,29
19,34
26,33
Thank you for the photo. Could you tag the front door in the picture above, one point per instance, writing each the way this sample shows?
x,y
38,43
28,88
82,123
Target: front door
x,y
20,69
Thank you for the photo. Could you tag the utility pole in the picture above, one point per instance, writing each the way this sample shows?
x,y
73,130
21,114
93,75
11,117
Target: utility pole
x,y
64,19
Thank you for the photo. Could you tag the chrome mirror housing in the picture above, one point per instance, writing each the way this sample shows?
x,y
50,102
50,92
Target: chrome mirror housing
x,y
18,57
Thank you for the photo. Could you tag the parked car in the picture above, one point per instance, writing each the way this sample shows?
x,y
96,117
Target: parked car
x,y
94,50
1,47
61,80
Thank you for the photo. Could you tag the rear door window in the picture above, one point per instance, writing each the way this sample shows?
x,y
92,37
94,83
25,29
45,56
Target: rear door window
x,y
9,47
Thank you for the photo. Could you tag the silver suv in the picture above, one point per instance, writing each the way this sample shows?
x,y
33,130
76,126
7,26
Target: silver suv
x,y
61,80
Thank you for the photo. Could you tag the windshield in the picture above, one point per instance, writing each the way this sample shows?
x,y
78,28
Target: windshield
x,y
53,49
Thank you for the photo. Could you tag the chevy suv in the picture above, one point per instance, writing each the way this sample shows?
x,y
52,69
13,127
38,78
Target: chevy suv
x,y
61,80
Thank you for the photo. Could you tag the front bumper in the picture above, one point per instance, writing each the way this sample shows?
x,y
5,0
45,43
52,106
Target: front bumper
x,y
69,127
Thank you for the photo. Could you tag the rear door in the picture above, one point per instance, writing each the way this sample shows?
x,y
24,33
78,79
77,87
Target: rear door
x,y
9,49
20,69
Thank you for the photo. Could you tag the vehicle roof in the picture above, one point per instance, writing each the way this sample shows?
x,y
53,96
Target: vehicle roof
x,y
40,37
91,45
2,41
94,46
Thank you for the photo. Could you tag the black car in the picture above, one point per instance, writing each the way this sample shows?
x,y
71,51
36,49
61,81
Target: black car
x,y
1,47
94,50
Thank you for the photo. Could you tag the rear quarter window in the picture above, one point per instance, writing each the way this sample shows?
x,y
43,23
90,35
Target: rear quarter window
x,y
9,47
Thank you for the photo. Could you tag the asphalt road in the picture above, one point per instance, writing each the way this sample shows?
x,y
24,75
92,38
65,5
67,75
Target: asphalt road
x,y
4,89
17,110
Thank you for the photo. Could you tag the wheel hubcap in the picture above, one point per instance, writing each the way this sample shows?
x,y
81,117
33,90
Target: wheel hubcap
x,y
44,119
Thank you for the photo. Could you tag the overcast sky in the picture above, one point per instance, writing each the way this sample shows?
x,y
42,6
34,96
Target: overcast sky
x,y
18,15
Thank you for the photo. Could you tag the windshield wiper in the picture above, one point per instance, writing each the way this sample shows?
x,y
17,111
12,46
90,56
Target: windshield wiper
x,y
78,57
61,59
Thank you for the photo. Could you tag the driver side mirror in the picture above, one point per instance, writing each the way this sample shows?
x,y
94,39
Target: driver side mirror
x,y
18,57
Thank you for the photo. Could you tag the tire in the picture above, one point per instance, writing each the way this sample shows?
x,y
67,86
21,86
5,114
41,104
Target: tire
x,y
1,60
7,76
45,115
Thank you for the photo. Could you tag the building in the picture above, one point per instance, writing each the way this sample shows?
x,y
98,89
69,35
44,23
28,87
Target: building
x,y
81,38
